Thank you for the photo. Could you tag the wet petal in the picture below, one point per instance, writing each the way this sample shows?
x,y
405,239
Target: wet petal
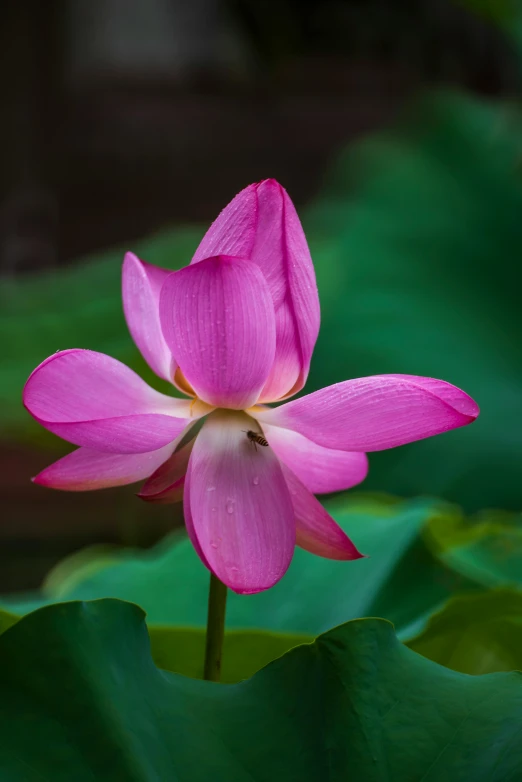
x,y
92,400
85,469
240,505
374,413
141,285
317,532
218,318
321,470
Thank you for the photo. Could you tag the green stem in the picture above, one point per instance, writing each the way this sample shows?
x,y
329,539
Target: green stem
x,y
217,601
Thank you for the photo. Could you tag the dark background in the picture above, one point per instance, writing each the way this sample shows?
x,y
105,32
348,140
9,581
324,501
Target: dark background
x,y
119,116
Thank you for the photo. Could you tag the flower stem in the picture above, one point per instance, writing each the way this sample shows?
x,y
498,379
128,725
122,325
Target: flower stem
x,y
217,601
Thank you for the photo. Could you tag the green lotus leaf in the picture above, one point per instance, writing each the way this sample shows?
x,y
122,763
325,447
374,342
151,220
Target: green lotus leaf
x,y
83,700
400,579
480,633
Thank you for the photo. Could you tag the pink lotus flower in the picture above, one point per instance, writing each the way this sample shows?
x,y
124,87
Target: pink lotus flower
x,y
234,330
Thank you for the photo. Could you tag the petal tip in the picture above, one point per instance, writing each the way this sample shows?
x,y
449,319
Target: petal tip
x,y
270,182
161,498
152,498
351,553
450,394
474,410
41,479
53,357
131,264
130,257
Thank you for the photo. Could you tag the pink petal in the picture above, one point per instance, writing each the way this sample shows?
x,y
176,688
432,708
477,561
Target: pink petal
x,y
91,399
240,505
218,318
317,532
261,224
85,469
173,494
286,373
282,253
166,484
189,523
374,413
321,470
141,285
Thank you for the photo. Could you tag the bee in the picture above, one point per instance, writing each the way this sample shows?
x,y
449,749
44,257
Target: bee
x,y
255,438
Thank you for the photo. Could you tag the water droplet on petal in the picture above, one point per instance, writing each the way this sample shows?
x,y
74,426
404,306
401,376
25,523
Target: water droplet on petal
x,y
213,544
255,480
230,507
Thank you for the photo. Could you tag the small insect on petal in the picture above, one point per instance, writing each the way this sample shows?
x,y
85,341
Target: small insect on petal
x,y
256,438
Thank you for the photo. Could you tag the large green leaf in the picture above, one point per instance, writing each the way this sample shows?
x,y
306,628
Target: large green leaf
x,y
486,549
476,633
400,580
7,620
82,700
182,650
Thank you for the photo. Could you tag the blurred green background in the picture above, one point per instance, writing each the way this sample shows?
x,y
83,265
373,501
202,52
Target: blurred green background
x,y
397,132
